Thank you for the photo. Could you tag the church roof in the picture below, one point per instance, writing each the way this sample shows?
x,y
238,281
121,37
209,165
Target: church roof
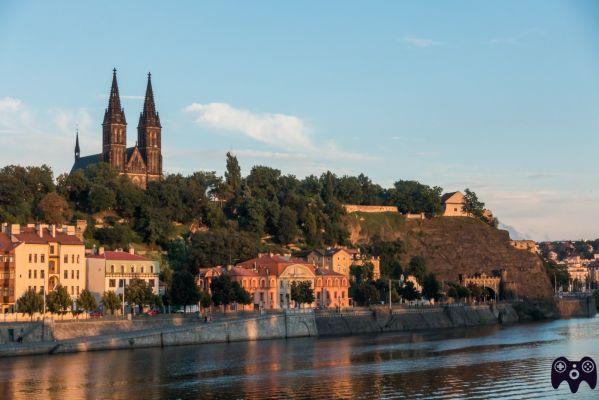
x,y
83,162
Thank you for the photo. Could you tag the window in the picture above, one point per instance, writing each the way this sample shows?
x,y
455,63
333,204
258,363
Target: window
x,y
122,269
72,290
35,274
142,269
151,269
261,296
42,274
30,258
132,269
51,249
66,258
72,274
112,269
77,258
43,258
77,290
121,282
77,274
35,258
66,274
29,274
72,258
151,283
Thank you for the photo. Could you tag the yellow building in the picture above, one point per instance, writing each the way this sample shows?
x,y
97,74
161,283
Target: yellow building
x,y
46,256
340,259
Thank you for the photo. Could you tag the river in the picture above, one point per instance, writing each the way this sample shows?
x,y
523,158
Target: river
x,y
512,362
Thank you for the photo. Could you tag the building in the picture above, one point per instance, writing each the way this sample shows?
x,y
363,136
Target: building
x,y
114,270
340,259
45,256
593,269
453,204
142,162
268,279
528,245
7,274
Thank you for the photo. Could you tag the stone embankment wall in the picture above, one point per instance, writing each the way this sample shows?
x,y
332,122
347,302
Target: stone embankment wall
x,y
576,307
69,337
382,320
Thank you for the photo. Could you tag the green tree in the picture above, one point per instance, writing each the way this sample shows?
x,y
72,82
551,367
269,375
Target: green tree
x,y
409,292
302,292
414,197
476,292
361,273
287,227
205,300
111,301
431,288
365,293
557,273
138,293
100,198
30,302
58,301
222,290
457,292
241,295
86,301
184,290
417,267
473,205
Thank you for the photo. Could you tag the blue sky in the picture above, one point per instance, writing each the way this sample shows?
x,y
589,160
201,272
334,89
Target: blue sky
x,y
501,97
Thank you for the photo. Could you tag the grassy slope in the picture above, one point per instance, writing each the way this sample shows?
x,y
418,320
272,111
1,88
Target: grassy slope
x,y
453,246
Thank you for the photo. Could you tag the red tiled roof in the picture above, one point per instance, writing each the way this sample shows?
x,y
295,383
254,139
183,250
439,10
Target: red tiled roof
x,y
29,235
5,243
119,255
322,271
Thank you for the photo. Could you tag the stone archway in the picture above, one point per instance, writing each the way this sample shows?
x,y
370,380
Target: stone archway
x,y
53,282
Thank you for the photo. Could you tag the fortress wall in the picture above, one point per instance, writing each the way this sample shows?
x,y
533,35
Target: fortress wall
x,y
351,208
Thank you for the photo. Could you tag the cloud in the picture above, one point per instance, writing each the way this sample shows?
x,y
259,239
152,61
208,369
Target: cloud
x,y
278,130
33,137
127,97
420,42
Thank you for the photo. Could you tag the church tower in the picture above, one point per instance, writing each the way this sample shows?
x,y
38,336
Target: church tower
x,y
114,130
77,151
149,133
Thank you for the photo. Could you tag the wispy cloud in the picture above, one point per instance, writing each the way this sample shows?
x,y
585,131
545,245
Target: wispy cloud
x,y
415,41
278,130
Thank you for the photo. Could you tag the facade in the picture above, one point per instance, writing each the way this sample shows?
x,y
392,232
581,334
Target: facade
x,y
268,279
593,269
7,274
143,162
453,205
113,270
340,259
44,256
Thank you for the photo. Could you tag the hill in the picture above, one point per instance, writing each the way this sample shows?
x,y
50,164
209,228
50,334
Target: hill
x,y
453,246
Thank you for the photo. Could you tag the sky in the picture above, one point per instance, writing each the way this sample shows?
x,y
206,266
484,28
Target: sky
x,y
500,97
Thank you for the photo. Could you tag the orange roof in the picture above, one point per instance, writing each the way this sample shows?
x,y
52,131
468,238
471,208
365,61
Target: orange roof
x,y
5,243
272,264
29,235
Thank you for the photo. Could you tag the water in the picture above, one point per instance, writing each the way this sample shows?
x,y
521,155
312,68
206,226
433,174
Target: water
x,y
483,363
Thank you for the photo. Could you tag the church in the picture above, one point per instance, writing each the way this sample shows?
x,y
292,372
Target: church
x,y
141,163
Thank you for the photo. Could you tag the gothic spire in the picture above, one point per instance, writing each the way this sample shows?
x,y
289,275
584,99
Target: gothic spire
x,y
114,113
77,151
149,116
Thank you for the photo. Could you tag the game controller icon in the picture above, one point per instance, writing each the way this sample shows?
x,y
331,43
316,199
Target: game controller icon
x,y
574,372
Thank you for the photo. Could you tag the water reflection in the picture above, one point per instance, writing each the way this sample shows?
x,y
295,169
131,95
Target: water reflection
x,y
488,362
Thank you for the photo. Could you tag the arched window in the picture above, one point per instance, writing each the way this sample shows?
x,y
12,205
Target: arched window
x,y
112,269
151,269
132,269
336,282
122,269
262,283
329,282
319,282
272,283
142,269
344,281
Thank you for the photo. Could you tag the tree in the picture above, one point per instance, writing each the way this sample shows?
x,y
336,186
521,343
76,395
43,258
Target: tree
x,y
414,197
184,290
361,273
409,292
557,273
138,293
111,301
431,287
476,292
417,267
241,295
58,301
365,293
86,301
101,198
222,290
302,292
287,227
54,209
30,302
205,300
472,205
457,292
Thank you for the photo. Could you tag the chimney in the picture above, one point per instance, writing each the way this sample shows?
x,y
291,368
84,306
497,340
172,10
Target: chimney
x,y
5,228
53,230
131,250
40,230
15,229
101,250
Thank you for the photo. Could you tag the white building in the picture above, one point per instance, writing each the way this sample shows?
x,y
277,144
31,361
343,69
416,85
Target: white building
x,y
113,270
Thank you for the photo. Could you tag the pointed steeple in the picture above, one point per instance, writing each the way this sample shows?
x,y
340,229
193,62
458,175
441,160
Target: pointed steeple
x,y
149,116
77,151
114,113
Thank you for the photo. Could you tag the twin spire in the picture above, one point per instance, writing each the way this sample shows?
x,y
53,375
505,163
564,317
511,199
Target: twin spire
x,y
115,114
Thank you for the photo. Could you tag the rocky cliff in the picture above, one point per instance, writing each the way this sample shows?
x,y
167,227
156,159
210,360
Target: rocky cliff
x,y
457,245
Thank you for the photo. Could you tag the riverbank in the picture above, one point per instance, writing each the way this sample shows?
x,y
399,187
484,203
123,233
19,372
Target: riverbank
x,y
55,337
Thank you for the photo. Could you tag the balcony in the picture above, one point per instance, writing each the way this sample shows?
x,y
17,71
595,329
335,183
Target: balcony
x,y
7,299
